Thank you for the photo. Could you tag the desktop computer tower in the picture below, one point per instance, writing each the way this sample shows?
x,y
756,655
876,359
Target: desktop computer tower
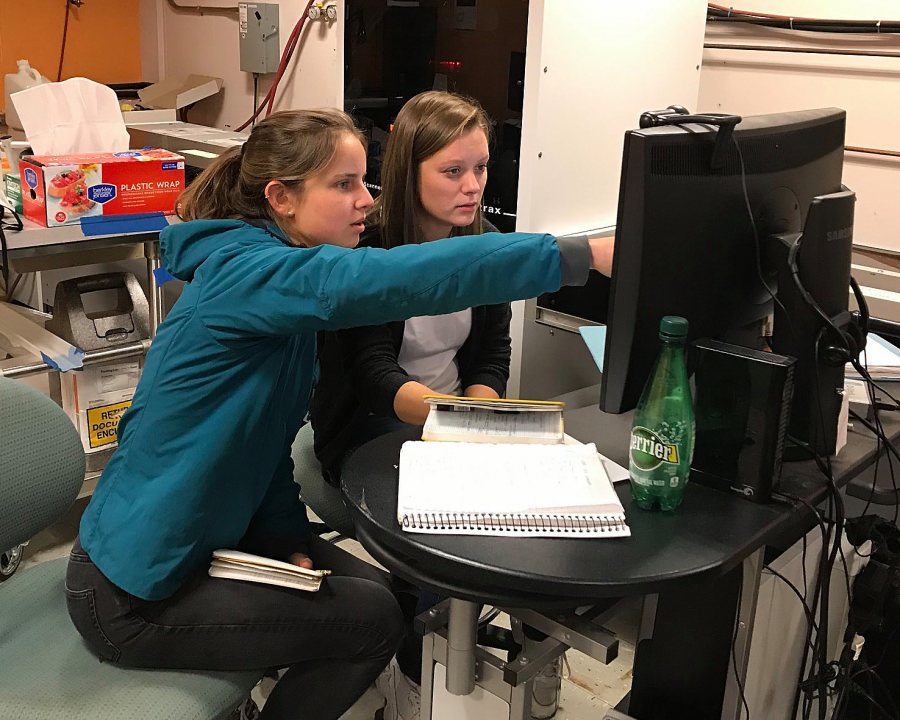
x,y
743,402
813,269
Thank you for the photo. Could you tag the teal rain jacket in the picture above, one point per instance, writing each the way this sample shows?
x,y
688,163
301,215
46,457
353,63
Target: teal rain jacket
x,y
204,451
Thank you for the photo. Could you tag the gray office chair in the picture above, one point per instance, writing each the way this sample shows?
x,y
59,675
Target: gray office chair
x,y
323,499
48,671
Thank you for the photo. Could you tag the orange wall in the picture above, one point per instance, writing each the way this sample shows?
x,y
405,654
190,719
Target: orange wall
x,y
103,41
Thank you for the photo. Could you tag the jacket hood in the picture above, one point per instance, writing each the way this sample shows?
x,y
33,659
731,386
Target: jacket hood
x,y
185,246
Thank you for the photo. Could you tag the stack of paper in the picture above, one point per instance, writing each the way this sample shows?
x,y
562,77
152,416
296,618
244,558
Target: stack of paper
x,y
502,468
881,358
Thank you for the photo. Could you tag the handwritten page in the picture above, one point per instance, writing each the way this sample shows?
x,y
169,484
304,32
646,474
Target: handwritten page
x,y
538,489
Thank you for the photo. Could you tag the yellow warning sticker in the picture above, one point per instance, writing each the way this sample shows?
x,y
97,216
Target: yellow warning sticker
x,y
103,421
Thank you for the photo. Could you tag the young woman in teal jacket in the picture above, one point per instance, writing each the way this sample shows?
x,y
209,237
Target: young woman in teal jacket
x,y
204,451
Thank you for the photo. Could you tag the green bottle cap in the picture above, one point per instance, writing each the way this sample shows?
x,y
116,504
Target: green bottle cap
x,y
673,327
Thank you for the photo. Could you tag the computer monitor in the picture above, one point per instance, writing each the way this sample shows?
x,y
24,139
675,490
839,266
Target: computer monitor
x,y
685,244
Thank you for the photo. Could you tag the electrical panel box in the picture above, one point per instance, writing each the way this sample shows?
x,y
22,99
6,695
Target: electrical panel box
x,y
258,23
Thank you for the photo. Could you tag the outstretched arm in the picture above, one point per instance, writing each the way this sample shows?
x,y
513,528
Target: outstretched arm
x,y
602,254
282,290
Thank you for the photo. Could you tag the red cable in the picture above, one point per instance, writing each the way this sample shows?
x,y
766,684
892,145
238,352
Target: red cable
x,y
62,50
288,50
282,66
295,36
269,99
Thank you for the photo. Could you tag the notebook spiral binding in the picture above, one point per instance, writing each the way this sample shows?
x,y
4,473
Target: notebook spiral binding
x,y
514,522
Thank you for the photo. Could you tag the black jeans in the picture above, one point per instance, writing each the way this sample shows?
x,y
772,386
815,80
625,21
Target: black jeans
x,y
412,600
335,641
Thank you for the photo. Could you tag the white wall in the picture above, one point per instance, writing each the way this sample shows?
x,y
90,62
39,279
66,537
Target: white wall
x,y
868,88
182,42
605,64
592,67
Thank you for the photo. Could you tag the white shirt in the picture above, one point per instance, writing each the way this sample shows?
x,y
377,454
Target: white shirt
x,y
429,348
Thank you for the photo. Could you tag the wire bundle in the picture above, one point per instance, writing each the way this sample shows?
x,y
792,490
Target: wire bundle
x,y
821,678
724,14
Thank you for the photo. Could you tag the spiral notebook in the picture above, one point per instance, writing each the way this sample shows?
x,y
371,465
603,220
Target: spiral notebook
x,y
507,489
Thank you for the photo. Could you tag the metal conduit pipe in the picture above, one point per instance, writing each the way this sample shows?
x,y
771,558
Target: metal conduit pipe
x,y
224,9
91,357
806,50
872,151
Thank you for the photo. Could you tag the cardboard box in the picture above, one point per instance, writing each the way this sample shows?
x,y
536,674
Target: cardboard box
x,y
62,189
178,92
19,343
140,117
95,399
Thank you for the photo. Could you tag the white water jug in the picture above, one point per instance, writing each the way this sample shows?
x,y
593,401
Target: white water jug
x,y
25,78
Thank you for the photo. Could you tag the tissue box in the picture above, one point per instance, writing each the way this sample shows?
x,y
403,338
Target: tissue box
x,y
62,189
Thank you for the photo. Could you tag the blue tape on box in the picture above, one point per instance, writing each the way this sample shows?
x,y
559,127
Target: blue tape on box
x,y
123,224
594,337
162,276
74,360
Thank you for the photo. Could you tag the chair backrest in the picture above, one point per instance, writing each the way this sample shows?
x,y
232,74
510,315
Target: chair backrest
x,y
306,464
323,499
41,462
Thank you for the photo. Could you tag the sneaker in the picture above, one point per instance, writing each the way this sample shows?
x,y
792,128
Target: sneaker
x,y
402,697
246,711
545,690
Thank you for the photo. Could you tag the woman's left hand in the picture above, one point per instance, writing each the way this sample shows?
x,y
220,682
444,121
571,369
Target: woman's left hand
x,y
300,560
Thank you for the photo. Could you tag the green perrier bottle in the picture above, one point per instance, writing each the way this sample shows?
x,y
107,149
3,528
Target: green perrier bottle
x,y
662,437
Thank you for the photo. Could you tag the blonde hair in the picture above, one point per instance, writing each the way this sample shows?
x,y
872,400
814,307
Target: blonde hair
x,y
289,146
425,125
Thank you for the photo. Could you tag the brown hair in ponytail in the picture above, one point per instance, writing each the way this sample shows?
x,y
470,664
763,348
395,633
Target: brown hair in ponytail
x,y
289,146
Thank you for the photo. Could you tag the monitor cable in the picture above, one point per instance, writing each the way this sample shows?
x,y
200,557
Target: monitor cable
x,y
756,240
820,593
821,671
818,670
15,226
737,677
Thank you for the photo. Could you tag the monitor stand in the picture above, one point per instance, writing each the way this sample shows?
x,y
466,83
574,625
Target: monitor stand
x,y
820,257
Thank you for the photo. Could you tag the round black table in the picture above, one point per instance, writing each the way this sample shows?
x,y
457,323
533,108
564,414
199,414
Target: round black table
x,y
698,563
706,538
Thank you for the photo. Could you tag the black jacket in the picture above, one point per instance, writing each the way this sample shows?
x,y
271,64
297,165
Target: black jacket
x,y
359,372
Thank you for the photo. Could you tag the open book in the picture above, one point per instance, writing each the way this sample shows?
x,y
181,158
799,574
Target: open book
x,y
462,419
236,565
479,486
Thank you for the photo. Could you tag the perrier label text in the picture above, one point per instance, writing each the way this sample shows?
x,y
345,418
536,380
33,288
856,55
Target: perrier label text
x,y
649,450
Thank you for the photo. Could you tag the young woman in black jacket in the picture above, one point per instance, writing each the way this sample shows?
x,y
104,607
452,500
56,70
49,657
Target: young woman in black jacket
x,y
373,378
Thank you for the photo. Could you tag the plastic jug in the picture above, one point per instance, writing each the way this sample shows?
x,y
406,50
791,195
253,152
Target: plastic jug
x,y
25,78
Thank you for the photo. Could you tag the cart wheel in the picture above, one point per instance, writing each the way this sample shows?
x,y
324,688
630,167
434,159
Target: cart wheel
x,y
9,562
